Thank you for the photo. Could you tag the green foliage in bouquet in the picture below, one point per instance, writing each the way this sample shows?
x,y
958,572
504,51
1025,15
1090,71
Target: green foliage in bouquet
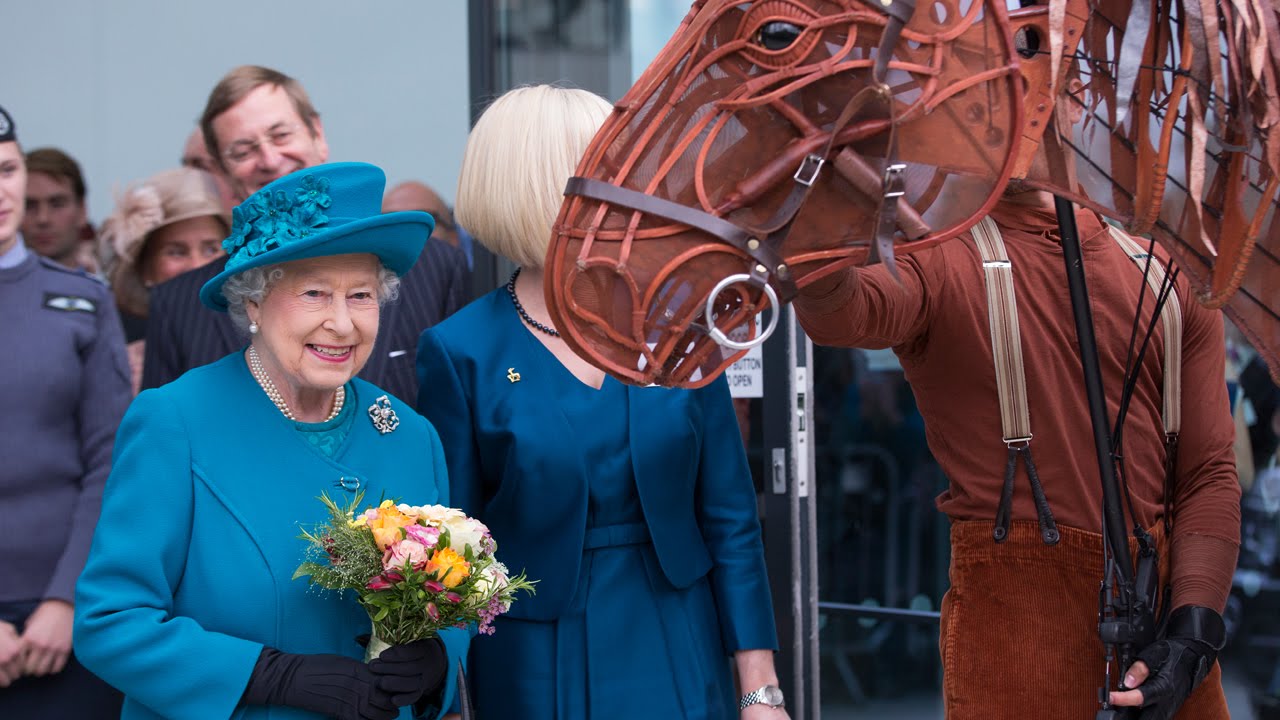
x,y
415,569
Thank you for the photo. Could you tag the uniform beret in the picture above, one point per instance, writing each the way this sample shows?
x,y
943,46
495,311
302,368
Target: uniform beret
x,y
7,132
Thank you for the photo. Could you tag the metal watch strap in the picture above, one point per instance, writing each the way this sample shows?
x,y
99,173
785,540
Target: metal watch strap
x,y
758,696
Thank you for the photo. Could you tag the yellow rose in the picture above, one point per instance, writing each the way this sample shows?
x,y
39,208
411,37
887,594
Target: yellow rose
x,y
386,536
387,523
449,567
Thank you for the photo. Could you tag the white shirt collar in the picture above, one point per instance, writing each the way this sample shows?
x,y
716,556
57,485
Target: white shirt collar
x,y
14,255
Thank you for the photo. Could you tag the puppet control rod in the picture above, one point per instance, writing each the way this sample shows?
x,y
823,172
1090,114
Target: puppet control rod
x,y
1126,620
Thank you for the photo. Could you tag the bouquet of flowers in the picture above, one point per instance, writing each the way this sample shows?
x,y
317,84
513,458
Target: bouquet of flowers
x,y
416,569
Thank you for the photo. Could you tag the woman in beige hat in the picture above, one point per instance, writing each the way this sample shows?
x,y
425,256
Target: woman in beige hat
x,y
161,227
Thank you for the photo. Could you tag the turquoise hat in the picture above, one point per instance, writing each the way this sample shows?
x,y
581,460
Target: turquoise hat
x,y
332,209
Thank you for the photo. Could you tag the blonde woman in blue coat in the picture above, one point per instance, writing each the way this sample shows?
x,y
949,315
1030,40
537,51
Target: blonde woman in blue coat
x,y
187,603
632,507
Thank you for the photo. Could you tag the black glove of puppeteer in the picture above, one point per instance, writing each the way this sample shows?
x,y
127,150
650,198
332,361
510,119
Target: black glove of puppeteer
x,y
411,671
1180,661
332,685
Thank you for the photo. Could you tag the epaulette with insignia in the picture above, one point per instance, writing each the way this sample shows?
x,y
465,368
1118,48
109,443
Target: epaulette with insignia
x,y
66,297
70,303
75,272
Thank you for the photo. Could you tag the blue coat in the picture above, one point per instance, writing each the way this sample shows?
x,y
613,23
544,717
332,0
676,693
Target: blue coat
x,y
190,570
690,468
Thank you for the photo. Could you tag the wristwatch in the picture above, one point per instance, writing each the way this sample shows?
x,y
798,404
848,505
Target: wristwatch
x,y
770,695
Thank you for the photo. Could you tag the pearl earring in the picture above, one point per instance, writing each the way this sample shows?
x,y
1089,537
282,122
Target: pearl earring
x,y
253,328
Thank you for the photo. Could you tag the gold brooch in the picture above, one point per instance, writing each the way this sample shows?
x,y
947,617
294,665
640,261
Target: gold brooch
x,y
512,375
383,417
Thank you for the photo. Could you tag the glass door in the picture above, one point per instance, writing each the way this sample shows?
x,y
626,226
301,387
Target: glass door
x,y
857,553
578,43
882,547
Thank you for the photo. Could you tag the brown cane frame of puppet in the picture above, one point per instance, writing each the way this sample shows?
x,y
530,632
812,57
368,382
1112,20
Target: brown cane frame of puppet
x,y
938,111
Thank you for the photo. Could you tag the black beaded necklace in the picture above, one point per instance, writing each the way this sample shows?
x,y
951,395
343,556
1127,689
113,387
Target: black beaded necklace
x,y
511,290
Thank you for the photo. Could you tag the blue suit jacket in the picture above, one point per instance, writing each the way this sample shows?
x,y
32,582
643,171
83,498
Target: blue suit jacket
x,y
191,565
690,468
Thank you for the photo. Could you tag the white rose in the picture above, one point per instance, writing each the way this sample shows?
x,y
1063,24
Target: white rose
x,y
438,515
463,532
492,579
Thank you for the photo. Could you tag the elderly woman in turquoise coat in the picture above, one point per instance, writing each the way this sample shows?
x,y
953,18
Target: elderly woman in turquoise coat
x,y
187,603
632,507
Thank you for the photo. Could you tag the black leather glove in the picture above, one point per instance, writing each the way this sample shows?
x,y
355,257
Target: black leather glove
x,y
1180,661
332,685
411,671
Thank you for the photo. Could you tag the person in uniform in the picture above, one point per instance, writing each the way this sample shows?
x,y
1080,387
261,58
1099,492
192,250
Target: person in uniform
x,y
65,387
1019,631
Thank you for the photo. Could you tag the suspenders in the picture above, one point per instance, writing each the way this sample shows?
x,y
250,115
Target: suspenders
x,y
1011,381
1011,384
1171,319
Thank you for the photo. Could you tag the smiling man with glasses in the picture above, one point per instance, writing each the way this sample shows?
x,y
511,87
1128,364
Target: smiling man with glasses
x,y
259,125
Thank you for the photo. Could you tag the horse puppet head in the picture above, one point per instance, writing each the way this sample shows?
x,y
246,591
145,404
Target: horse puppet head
x,y
770,143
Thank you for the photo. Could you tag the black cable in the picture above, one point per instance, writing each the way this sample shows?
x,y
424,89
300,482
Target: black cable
x,y
1133,367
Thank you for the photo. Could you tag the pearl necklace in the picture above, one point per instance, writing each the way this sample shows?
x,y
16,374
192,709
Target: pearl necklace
x,y
260,374
524,315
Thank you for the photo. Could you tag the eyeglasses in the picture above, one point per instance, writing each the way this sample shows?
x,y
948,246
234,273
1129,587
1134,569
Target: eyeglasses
x,y
242,150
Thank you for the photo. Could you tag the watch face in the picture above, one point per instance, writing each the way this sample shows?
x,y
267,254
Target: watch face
x,y
773,696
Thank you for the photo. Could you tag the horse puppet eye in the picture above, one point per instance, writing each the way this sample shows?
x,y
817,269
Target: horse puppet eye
x,y
777,35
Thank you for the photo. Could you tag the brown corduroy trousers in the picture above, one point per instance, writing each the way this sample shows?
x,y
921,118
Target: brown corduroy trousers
x,y
1019,632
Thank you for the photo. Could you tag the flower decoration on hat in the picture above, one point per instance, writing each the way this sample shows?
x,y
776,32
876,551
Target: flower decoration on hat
x,y
137,214
324,210
272,219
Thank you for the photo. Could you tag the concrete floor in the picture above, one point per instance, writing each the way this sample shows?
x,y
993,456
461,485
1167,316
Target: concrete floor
x,y
930,707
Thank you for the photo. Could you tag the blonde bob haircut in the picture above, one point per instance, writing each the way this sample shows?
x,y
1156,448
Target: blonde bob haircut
x,y
518,157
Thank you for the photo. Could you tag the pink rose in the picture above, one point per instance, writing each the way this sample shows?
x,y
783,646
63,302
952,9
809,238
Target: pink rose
x,y
408,551
428,536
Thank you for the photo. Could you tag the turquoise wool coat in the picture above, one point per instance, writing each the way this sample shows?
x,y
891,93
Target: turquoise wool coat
x,y
190,570
690,468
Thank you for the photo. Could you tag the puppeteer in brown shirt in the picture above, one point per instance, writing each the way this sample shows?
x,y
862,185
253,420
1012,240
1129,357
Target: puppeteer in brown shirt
x,y
936,323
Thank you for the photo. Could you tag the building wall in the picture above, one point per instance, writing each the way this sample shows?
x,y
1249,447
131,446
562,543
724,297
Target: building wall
x,y
120,84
